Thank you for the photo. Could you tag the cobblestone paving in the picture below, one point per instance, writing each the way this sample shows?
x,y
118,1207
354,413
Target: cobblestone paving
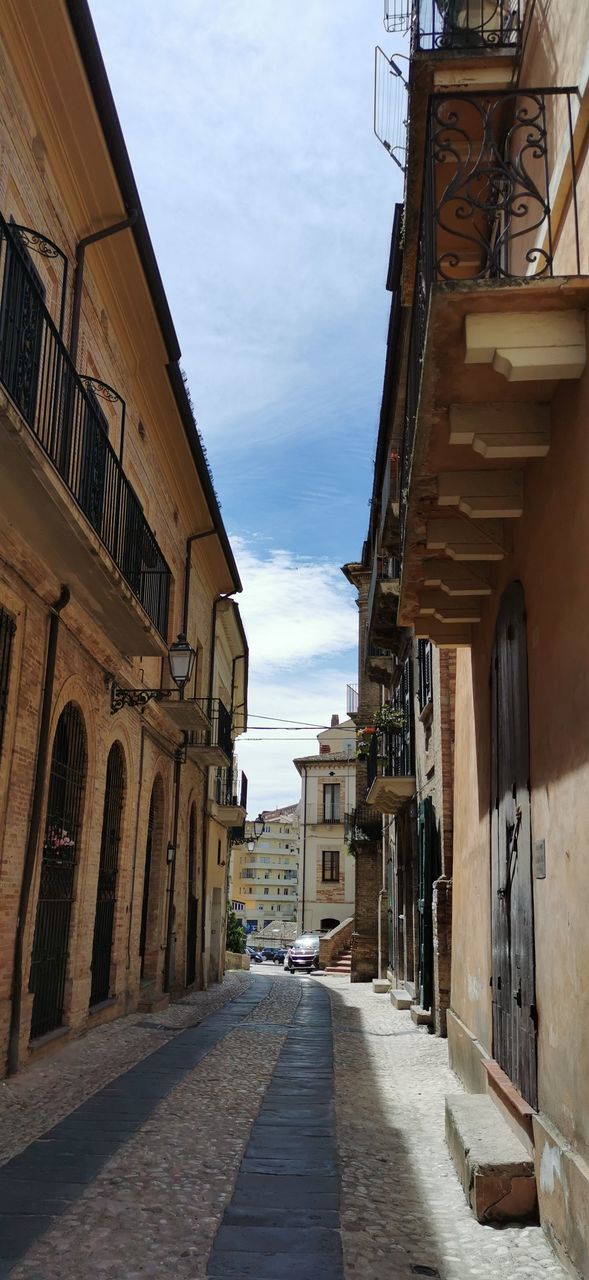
x,y
49,1089
154,1207
402,1205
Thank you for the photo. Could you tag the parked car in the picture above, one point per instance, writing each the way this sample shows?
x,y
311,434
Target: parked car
x,y
276,954
255,956
303,955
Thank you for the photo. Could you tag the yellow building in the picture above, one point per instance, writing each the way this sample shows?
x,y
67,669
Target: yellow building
x,y
113,825
266,877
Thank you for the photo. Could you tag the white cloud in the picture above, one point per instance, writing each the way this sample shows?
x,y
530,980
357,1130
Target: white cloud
x,y
295,609
302,628
250,129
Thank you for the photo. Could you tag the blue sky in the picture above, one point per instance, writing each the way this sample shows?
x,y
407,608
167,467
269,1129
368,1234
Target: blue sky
x,y
270,203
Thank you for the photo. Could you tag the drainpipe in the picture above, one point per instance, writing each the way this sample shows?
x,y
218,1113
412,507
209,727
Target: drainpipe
x,y
34,829
194,537
176,822
137,811
304,847
380,898
81,247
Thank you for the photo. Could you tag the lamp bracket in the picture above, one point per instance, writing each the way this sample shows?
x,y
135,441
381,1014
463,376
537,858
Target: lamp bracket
x,y
120,698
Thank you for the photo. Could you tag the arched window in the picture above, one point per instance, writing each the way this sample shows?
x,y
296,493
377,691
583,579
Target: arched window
x,y
192,905
67,780
114,796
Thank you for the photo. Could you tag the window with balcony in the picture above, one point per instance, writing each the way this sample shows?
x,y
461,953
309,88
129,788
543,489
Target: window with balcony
x,y
424,659
330,866
331,807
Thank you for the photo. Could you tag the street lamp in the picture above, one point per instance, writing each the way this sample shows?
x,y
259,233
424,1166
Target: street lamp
x,y
181,658
257,829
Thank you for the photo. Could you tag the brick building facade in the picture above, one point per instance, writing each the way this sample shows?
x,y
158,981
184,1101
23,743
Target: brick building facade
x,y
114,805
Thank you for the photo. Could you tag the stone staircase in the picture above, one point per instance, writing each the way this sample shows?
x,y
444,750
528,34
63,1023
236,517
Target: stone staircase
x,y
341,966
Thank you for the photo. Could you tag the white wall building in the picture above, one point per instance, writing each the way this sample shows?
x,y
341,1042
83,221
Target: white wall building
x,y
328,792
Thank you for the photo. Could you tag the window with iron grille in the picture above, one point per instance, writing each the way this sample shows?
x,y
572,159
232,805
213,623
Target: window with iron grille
x,y
330,865
331,802
424,658
7,630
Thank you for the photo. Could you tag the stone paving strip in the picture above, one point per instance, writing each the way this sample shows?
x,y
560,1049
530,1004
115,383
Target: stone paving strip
x,y
139,1175
403,1210
283,1218
49,1089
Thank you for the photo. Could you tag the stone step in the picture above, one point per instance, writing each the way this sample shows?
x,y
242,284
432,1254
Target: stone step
x,y
420,1016
401,999
495,1170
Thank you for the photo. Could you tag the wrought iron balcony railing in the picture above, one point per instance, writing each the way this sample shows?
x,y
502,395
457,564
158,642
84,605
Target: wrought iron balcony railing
x,y
441,25
392,755
487,210
230,789
218,734
37,373
363,824
391,107
351,699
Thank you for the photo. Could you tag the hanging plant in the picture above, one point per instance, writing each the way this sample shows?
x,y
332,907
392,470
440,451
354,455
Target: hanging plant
x,y
389,719
363,740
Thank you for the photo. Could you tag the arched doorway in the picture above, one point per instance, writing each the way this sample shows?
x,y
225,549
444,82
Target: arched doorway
x,y
114,796
67,781
512,907
329,922
192,905
147,947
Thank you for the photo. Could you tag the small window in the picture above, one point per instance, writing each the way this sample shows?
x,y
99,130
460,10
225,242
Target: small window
x,y
330,865
266,892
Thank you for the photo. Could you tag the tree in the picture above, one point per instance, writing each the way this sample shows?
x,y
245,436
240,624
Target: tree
x,y
235,934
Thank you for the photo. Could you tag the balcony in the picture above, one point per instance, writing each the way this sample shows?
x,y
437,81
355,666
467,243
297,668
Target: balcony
x,y
186,713
498,324
467,27
211,745
229,798
362,825
391,772
352,700
380,665
62,486
383,597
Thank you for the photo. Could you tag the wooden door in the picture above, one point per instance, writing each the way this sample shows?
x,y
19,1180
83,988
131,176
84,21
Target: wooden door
x,y
512,908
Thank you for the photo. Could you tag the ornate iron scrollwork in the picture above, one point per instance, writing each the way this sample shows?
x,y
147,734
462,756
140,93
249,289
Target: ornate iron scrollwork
x,y
120,698
495,199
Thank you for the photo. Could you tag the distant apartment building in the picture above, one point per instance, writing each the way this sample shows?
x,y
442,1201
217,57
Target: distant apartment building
x,y
328,795
265,869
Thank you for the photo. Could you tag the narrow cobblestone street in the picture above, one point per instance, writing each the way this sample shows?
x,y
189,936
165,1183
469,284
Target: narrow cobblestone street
x,y
234,1136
